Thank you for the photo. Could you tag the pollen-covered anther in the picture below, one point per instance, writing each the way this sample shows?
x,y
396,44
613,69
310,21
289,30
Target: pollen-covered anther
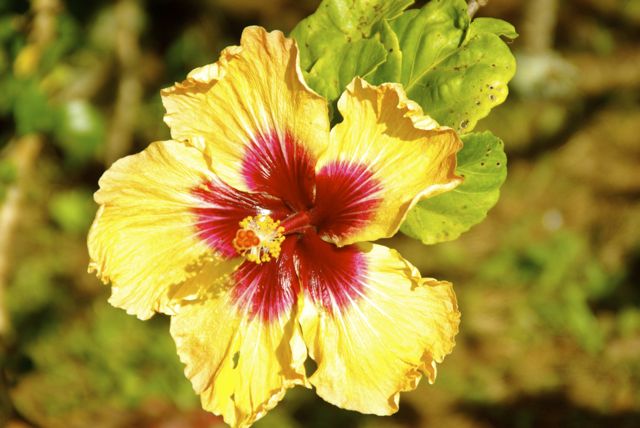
x,y
259,238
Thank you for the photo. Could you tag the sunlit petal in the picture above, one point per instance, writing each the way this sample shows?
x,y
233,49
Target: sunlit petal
x,y
144,239
240,341
372,325
383,158
254,116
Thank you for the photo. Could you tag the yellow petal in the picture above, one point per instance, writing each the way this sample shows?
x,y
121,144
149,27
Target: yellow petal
x,y
397,327
241,364
389,155
144,239
249,110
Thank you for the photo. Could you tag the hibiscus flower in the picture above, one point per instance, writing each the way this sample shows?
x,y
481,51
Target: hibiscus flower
x,y
252,229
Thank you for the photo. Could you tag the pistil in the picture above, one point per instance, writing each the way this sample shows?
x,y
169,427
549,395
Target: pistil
x,y
296,222
259,238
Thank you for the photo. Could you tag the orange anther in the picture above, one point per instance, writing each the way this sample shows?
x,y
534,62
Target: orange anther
x,y
258,239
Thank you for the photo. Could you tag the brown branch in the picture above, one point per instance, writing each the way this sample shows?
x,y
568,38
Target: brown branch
x,y
87,83
23,154
45,21
129,96
43,31
474,6
538,28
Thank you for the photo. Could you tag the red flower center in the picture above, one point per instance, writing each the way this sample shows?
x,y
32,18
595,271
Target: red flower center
x,y
281,226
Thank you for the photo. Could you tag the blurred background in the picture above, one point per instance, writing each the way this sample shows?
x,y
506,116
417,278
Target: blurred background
x,y
547,285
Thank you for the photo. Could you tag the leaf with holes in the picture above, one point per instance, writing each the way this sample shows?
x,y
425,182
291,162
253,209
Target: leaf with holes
x,y
483,164
455,69
332,73
341,40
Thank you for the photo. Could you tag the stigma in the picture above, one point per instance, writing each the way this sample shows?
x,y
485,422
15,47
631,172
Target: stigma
x,y
259,238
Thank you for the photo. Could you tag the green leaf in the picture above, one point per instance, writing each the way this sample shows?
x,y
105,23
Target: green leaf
x,y
483,165
492,25
340,41
8,27
8,171
8,89
338,22
72,210
456,70
429,35
80,130
391,69
8,174
32,110
332,73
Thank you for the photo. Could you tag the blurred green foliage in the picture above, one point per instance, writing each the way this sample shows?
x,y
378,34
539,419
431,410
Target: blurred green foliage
x,y
562,278
101,367
548,284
